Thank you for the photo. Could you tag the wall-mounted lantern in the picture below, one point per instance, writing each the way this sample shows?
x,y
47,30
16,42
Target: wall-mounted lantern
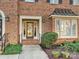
x,y
7,18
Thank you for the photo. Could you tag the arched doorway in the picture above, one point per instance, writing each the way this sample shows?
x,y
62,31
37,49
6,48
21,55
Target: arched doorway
x,y
2,24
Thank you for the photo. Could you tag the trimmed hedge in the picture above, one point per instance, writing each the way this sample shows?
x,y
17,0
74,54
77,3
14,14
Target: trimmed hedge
x,y
48,38
13,49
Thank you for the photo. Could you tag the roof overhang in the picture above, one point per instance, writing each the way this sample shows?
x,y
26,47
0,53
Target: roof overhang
x,y
63,16
63,13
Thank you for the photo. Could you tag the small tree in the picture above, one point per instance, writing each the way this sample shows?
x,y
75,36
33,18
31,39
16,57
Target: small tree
x,y
48,39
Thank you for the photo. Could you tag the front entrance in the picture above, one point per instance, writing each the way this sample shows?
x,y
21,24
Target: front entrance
x,y
30,30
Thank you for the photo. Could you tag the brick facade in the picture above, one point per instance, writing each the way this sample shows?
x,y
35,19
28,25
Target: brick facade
x,y
9,7
15,8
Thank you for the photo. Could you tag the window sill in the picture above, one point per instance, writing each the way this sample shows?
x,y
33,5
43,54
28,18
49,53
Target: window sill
x,y
68,37
27,2
53,3
75,4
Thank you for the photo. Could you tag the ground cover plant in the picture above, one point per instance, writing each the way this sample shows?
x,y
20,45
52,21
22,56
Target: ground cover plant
x,y
13,49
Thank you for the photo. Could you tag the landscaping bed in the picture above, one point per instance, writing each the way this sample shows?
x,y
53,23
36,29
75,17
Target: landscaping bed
x,y
71,53
66,50
12,49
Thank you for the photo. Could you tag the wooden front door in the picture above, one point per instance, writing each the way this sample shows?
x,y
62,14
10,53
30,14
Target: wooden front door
x,y
31,32
29,29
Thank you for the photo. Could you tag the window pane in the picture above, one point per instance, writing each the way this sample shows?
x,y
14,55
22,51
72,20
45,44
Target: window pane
x,y
73,28
76,2
66,28
30,0
58,26
54,1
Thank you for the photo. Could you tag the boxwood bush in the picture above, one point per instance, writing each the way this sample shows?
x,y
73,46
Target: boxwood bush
x,y
48,39
13,49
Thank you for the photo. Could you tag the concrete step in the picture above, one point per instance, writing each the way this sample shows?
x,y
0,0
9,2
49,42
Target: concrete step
x,y
30,42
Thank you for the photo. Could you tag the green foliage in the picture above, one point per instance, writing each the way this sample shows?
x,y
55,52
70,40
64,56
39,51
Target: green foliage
x,y
65,55
13,49
56,54
71,46
48,39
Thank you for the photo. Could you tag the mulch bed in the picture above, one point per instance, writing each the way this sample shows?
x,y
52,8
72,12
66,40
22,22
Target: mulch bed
x,y
48,51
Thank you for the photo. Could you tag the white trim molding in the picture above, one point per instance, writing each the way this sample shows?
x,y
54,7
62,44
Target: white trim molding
x,y
39,18
3,22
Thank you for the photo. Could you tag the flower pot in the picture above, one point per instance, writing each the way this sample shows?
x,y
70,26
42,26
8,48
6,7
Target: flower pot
x,y
56,54
66,55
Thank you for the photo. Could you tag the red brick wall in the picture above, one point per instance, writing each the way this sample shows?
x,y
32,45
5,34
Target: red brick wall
x,y
44,9
9,7
12,8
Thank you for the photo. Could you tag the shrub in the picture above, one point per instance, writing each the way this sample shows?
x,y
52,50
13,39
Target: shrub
x,y
13,49
48,39
71,46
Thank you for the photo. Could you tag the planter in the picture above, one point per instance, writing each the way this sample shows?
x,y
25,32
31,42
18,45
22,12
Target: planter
x,y
56,54
66,55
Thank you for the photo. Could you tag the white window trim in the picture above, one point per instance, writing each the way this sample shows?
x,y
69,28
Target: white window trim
x,y
29,1
54,2
30,17
75,3
3,22
68,36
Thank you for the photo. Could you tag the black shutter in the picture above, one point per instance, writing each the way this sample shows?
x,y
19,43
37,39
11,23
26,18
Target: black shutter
x,y
36,0
48,1
71,1
60,1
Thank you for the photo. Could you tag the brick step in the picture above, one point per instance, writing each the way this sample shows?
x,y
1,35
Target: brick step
x,y
30,42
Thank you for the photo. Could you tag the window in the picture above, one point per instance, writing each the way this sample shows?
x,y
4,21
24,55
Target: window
x,y
66,28
54,1
74,2
29,0
0,26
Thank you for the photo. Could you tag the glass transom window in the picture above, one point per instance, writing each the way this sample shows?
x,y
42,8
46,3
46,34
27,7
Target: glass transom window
x,y
29,0
54,1
75,2
66,28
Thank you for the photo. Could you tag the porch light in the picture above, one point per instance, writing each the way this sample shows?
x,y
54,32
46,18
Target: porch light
x,y
7,18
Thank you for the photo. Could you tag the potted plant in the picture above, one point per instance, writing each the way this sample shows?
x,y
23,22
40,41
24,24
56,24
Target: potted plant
x,y
56,54
66,47
65,54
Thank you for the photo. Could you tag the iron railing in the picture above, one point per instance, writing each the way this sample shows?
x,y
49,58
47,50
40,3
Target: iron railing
x,y
4,40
